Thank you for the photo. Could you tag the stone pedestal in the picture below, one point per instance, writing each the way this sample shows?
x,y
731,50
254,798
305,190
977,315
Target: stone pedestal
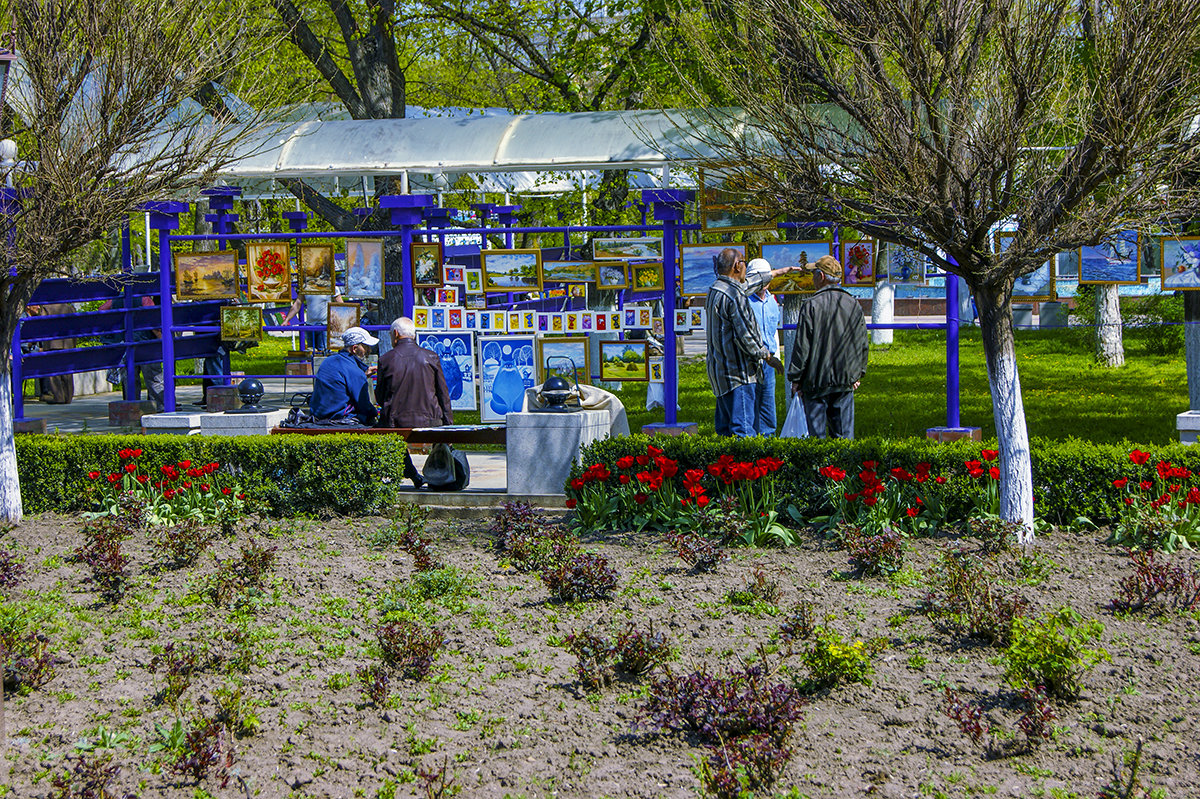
x,y
944,435
1188,425
1022,316
241,424
1052,315
128,413
29,426
179,423
542,447
222,398
677,429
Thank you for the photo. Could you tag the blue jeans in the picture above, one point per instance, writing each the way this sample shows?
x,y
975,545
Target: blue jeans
x,y
831,416
735,412
765,422
316,340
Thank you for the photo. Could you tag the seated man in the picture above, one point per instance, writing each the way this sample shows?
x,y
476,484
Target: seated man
x,y
341,388
411,388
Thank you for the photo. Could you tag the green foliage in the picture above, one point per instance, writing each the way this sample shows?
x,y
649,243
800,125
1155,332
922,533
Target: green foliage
x,y
832,661
1160,322
1053,652
286,475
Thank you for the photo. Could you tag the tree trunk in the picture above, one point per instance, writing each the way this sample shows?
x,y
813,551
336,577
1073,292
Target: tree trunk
x,y
1191,343
883,311
1016,467
1110,350
10,487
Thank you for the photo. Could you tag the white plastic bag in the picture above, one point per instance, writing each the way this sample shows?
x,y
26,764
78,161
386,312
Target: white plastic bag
x,y
796,423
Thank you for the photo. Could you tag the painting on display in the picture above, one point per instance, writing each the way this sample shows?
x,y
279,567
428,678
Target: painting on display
x,y
646,277
426,260
342,317
1036,286
577,290
858,262
611,276
906,267
268,272
241,323
364,269
457,354
437,318
697,266
454,318
314,269
728,203
472,281
656,370
421,318
556,351
447,295
697,318
511,270
1181,263
558,323
683,320
206,275
506,369
1117,260
568,272
648,248
453,274
623,361
795,253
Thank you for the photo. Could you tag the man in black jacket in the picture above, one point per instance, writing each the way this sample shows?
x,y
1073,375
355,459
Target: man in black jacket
x,y
829,357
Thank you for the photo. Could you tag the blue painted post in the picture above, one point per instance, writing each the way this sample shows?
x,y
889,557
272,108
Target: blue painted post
x,y
10,198
220,202
129,390
507,214
407,211
164,217
298,222
669,209
952,385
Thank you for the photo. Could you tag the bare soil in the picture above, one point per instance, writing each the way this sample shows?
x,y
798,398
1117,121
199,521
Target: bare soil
x,y
503,710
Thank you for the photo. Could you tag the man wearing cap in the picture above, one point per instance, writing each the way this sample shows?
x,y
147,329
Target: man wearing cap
x,y
829,357
735,347
769,317
341,388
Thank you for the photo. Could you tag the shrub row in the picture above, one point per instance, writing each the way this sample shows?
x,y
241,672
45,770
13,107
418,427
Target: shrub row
x,y
284,475
1071,478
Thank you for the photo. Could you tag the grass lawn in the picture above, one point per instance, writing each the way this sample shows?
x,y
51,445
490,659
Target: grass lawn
x,y
904,391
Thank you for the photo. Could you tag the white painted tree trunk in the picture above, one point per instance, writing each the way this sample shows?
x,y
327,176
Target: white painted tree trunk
x,y
883,311
1110,349
1016,465
10,488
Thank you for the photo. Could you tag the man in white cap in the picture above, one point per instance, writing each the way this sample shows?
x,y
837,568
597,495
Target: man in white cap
x,y
766,311
341,388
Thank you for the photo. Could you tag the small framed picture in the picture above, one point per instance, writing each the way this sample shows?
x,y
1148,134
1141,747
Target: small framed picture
x,y
611,276
577,290
573,325
558,355
656,370
437,318
342,316
557,323
421,317
622,249
426,259
543,322
601,322
448,295
476,301
1180,263
471,320
644,318
529,321
858,262
514,321
646,277
511,270
268,272
454,318
683,320
472,281
623,361
630,318
452,274
658,327
241,323
206,275
315,268
614,320
696,318
364,269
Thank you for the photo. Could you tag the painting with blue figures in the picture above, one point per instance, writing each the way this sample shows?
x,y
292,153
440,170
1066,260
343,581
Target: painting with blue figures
x,y
506,369
1180,263
457,354
1114,260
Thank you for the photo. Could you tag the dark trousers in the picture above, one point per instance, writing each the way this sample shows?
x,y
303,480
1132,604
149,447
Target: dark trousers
x,y
831,416
410,470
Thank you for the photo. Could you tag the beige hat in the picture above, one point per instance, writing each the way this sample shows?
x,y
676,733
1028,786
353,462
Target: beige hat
x,y
827,264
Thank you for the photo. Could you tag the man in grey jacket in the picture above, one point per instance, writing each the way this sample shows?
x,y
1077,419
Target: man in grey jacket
x,y
829,357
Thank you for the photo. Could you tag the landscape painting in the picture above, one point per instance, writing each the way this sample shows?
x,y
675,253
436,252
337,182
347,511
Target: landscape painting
x,y
648,248
342,317
795,253
268,272
506,369
364,269
315,269
553,355
568,272
1036,286
1117,260
241,323
206,275
457,353
623,361
426,260
1181,263
858,262
511,270
697,266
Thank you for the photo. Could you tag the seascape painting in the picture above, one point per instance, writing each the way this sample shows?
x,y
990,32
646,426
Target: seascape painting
x,y
648,248
697,268
457,353
1117,260
511,270
506,369
784,255
364,269
1035,286
1181,263
206,275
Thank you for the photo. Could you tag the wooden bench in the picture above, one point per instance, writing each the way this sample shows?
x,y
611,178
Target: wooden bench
x,y
486,434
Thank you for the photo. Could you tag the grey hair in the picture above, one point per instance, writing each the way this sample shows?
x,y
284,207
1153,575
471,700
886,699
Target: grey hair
x,y
404,328
726,260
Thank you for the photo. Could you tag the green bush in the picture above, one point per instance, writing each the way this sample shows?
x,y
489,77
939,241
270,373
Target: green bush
x,y
832,661
1053,652
1071,478
284,475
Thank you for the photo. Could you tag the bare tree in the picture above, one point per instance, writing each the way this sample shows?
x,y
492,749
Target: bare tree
x,y
931,123
105,118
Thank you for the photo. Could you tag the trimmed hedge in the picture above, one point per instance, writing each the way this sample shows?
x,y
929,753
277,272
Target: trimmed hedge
x,y
286,475
1071,478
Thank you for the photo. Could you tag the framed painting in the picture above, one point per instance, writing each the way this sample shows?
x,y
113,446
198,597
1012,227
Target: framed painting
x,y
647,248
514,320
697,317
314,266
1035,286
268,272
454,318
421,317
506,369
795,253
572,322
568,272
587,321
1116,260
698,266
426,260
614,320
241,323
729,203
858,262
342,317
437,318
646,277
601,322
611,276
656,370
472,281
447,295
906,267
568,357
683,320
364,269
1180,263
476,301
658,327
558,323
206,275
577,290
529,321
452,274
623,361
511,270
456,351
